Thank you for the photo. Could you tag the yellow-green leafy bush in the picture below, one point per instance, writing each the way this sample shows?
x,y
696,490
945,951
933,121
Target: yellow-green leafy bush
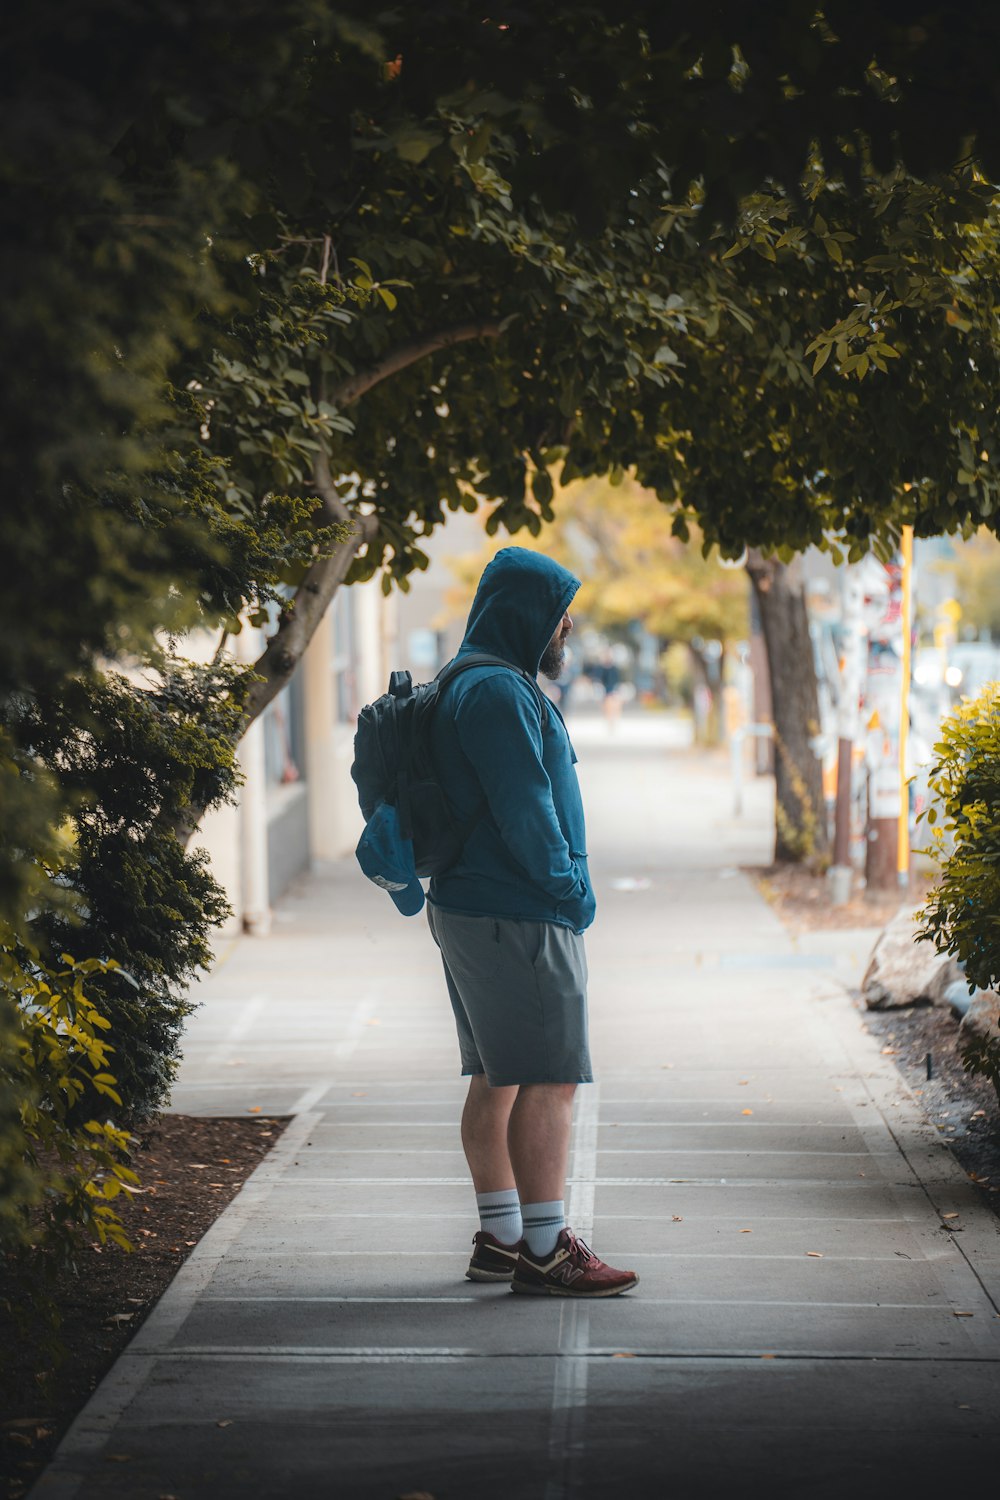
x,y
961,915
61,1154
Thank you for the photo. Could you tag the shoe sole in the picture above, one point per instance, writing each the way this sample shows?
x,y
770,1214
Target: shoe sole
x,y
526,1290
475,1274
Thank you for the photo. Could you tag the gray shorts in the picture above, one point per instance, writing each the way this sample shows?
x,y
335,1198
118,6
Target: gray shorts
x,y
519,993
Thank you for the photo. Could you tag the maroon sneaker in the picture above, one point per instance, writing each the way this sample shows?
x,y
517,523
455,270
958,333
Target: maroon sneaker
x,y
491,1261
572,1270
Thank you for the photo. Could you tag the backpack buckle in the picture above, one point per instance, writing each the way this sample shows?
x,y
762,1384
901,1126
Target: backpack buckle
x,y
401,685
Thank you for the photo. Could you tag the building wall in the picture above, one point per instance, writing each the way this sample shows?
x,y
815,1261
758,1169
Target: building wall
x,y
298,804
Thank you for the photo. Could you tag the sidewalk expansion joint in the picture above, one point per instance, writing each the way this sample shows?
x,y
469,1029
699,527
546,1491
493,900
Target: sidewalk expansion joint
x,y
281,1354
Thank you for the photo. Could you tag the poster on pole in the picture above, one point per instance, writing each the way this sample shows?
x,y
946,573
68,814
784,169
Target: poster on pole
x,y
883,688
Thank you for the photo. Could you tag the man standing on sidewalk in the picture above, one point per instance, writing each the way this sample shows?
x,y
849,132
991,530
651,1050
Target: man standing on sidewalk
x,y
509,919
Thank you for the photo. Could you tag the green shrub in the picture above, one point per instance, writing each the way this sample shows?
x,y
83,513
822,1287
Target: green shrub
x,y
61,1154
961,915
131,758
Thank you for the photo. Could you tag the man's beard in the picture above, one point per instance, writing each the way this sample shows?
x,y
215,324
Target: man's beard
x,y
553,658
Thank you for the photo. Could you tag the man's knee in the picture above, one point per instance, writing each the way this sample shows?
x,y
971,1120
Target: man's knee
x,y
547,1091
483,1096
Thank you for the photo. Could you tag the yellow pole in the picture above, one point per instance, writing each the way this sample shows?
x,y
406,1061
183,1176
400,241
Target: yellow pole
x,y
903,845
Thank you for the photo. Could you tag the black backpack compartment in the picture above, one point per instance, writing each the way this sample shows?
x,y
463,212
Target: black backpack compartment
x,y
392,763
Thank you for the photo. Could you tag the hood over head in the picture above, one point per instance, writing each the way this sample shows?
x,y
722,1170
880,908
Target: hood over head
x,y
520,600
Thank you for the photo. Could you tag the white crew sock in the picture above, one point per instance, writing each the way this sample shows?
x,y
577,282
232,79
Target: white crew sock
x,y
500,1215
542,1223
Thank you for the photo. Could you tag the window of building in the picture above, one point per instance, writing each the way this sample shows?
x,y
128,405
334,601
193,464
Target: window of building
x,y
284,736
344,658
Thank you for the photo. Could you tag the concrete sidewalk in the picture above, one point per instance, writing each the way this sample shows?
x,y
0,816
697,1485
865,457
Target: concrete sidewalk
x,y
807,1323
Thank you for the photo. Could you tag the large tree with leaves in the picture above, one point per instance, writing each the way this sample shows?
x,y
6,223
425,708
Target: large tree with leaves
x,y
755,382
521,171
243,194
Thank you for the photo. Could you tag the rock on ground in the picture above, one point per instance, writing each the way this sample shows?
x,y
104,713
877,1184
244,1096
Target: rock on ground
x,y
902,970
983,1016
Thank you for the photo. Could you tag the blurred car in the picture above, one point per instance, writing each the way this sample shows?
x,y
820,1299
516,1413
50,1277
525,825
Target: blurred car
x,y
971,665
930,695
929,665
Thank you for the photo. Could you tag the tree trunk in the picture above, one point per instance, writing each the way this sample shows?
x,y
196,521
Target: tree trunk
x,y
708,725
800,811
285,648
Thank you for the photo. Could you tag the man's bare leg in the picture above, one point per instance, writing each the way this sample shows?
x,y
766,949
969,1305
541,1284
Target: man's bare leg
x,y
518,1136
552,1261
538,1136
484,1135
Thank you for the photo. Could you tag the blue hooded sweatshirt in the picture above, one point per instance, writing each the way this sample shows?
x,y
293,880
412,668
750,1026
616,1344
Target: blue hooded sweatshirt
x,y
526,857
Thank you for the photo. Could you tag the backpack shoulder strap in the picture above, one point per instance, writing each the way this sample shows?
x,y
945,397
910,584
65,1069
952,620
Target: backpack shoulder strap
x,y
484,659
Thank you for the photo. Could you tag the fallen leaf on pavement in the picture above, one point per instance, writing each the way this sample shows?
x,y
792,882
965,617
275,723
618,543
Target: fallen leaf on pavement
x,y
815,1254
769,1356
120,1317
949,1216
746,1231
746,1111
255,1109
362,1095
677,1218
960,1314
623,1356
226,1422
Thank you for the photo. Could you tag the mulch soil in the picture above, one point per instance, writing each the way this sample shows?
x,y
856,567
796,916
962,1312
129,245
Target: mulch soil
x,y
921,1039
189,1169
801,898
964,1109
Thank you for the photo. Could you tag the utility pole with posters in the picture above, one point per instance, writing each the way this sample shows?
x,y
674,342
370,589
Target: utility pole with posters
x,y
903,830
887,854
841,876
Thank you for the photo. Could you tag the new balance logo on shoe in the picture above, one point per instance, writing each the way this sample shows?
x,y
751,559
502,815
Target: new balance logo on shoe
x,y
568,1273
